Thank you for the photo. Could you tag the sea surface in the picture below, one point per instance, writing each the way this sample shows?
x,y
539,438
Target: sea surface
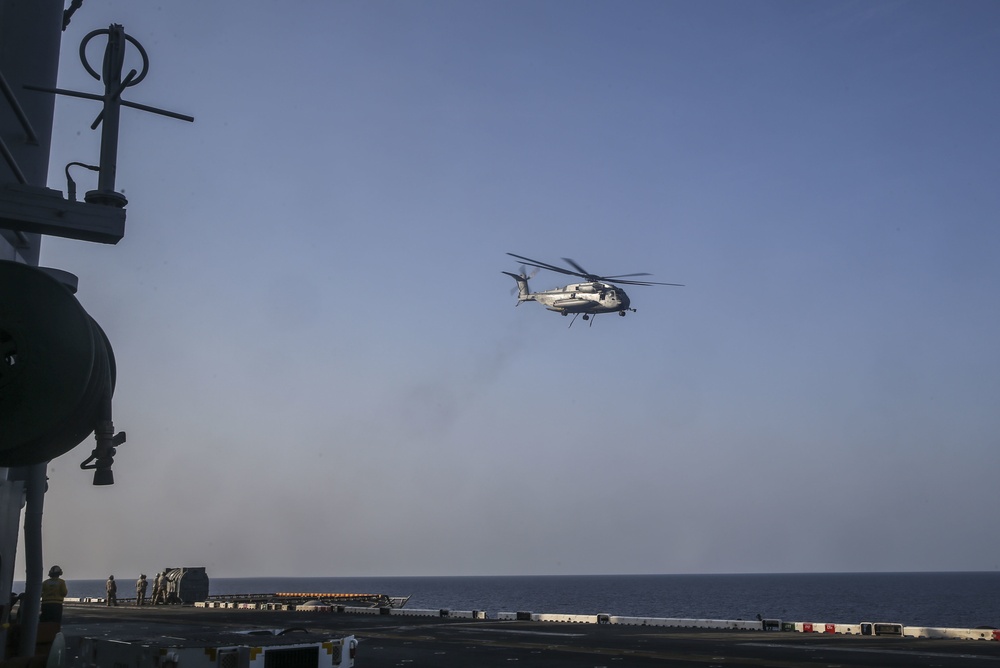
x,y
957,600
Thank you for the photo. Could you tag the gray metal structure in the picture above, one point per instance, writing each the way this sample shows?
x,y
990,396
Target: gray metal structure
x,y
30,32
35,302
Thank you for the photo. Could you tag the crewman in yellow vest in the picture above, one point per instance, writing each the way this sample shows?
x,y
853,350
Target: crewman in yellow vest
x,y
53,592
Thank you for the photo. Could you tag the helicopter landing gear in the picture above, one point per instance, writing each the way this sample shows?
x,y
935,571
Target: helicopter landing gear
x,y
586,316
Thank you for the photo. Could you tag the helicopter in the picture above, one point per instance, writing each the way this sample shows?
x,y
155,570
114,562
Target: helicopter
x,y
595,295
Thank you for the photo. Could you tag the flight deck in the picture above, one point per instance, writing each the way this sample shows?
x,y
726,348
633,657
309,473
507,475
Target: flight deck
x,y
447,642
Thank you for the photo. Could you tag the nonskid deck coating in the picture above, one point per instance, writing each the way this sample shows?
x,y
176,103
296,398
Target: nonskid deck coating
x,y
449,643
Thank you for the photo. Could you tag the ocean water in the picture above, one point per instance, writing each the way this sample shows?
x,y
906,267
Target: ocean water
x,y
961,600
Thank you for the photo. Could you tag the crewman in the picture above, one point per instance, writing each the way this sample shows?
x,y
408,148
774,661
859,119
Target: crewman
x,y
112,587
53,592
164,586
160,595
156,590
140,590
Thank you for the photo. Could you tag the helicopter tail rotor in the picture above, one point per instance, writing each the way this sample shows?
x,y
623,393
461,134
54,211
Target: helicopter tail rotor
x,y
525,275
523,292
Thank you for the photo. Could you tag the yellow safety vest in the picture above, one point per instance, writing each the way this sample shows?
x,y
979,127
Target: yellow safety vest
x,y
54,590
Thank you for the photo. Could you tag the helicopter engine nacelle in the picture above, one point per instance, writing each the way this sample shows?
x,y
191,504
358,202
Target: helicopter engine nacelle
x,y
588,288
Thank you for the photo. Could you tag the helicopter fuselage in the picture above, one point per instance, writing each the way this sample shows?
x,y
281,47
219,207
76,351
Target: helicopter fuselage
x,y
593,297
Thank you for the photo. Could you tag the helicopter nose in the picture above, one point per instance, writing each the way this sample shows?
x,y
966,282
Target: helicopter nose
x,y
625,301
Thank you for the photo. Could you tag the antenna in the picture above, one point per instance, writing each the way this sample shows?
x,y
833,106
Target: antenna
x,y
114,85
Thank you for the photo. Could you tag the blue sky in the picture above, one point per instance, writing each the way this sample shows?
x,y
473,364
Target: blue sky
x,y
320,366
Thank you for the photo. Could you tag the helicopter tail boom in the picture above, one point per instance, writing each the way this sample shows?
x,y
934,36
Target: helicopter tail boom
x,y
523,293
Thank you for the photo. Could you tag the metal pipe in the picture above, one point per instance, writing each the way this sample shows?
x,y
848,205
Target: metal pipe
x,y
114,58
33,563
12,163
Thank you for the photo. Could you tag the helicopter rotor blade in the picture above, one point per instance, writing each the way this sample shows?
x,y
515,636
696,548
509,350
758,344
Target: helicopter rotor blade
x,y
556,269
642,273
537,263
583,272
615,278
543,265
528,260
676,285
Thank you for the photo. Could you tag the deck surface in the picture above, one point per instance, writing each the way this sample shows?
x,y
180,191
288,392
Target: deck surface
x,y
413,642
